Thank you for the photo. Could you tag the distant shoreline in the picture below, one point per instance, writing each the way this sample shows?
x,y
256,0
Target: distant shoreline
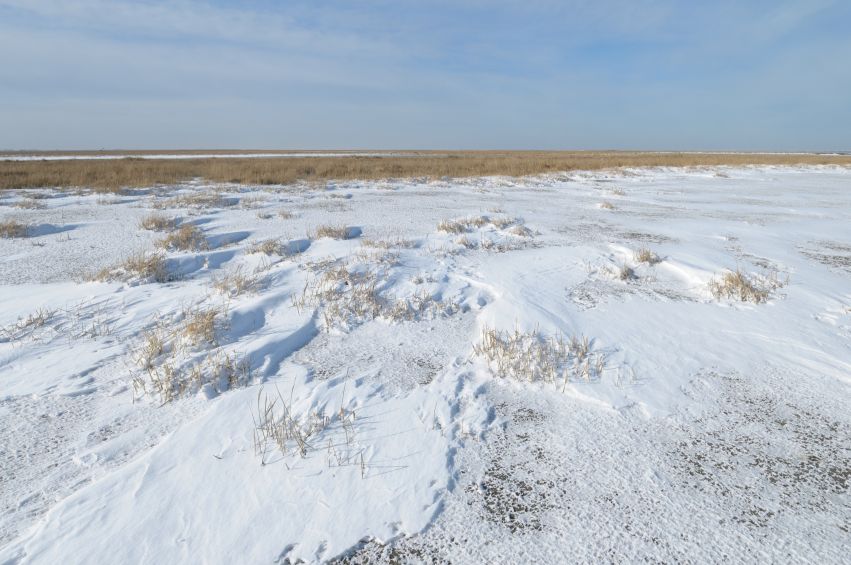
x,y
61,154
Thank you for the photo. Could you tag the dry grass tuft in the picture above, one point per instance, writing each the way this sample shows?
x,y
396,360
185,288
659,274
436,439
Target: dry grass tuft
x,y
198,200
252,202
392,239
236,282
626,273
452,226
374,258
336,232
163,375
645,255
153,345
228,371
143,266
419,306
29,204
528,356
521,231
736,285
466,242
187,237
12,228
170,364
501,246
462,225
278,426
267,247
502,222
348,295
477,221
280,248
199,325
157,222
147,266
26,327
285,214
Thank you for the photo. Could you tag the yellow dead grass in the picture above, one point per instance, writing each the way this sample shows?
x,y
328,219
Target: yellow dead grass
x,y
115,174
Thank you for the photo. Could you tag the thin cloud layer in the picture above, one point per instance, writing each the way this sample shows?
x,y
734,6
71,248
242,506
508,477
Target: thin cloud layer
x,y
469,74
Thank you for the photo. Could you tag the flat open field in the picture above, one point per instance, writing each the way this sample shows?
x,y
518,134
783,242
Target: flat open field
x,y
238,361
94,170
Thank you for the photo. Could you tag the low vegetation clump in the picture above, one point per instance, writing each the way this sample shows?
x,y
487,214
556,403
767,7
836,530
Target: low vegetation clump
x,y
252,202
520,231
459,226
29,204
158,222
278,427
200,324
462,225
276,246
12,228
491,239
336,232
266,247
645,255
198,200
170,380
187,237
285,214
390,241
626,273
503,222
227,371
419,306
345,296
501,246
528,356
146,267
374,258
452,226
465,241
349,295
236,282
26,327
176,358
737,286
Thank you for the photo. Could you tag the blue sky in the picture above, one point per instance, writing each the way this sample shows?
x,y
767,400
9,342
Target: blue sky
x,y
537,74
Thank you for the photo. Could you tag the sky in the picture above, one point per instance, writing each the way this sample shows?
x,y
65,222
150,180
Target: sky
x,y
442,74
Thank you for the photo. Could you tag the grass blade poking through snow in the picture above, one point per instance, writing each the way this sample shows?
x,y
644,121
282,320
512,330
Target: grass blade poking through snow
x,y
529,356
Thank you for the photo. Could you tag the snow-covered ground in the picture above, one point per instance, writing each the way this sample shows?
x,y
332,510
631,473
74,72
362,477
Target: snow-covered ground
x,y
485,370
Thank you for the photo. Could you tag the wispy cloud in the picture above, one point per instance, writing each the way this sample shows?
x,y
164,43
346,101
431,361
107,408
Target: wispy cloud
x,y
539,73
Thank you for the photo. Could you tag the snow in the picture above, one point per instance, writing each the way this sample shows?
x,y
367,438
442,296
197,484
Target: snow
x,y
715,428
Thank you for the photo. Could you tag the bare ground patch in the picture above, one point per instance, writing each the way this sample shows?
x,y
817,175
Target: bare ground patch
x,y
760,467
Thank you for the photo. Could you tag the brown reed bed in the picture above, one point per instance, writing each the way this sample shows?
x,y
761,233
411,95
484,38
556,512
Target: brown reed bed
x,y
116,174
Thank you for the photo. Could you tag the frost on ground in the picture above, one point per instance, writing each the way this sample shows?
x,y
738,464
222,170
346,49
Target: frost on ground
x,y
481,370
